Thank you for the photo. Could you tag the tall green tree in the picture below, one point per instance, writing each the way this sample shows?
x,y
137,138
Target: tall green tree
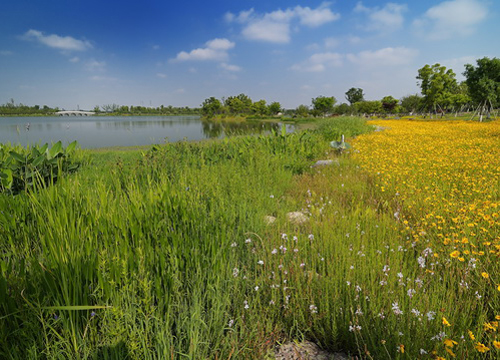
x,y
389,103
260,107
411,103
483,81
302,111
274,108
211,107
368,107
437,85
354,95
240,104
323,105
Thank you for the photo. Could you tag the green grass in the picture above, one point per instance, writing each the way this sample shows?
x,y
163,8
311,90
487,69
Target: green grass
x,y
165,253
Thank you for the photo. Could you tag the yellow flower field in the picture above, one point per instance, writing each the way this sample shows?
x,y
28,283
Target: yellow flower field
x,y
446,178
443,180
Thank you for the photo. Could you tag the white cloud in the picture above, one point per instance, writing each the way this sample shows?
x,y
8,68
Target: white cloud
x,y
458,64
354,39
384,57
161,75
316,17
95,66
268,30
6,52
54,41
275,26
103,78
451,18
386,19
156,47
331,42
320,62
229,67
215,49
74,59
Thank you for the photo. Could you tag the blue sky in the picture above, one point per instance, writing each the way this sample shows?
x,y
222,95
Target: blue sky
x,y
71,53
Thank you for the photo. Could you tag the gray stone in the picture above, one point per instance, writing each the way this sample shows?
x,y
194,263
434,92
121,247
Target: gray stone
x,y
326,162
268,219
305,350
297,218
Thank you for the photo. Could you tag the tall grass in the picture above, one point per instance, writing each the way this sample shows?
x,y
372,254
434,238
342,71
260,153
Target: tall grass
x,y
166,254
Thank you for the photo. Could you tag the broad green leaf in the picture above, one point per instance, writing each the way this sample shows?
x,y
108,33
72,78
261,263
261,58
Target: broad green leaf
x,y
38,160
7,178
55,150
17,157
72,146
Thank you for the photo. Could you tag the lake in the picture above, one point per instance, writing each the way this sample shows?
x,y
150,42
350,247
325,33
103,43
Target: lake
x,y
106,131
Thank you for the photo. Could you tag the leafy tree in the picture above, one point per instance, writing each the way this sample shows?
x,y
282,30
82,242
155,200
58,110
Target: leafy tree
x,y
437,84
260,107
368,107
274,108
211,107
389,104
354,95
411,103
342,109
302,111
240,104
323,105
483,81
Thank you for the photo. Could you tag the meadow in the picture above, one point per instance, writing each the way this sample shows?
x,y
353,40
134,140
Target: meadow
x,y
164,253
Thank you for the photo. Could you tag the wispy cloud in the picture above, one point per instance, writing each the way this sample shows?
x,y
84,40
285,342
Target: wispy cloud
x,y
319,62
229,67
161,75
6,52
54,41
275,26
451,18
95,66
215,50
388,56
385,19
74,59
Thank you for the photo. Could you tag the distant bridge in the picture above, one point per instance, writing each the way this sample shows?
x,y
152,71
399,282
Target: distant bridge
x,y
75,113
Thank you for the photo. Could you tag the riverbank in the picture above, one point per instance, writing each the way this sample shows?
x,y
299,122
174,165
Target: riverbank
x,y
169,252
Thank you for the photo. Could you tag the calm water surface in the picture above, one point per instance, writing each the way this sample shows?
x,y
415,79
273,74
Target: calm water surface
x,y
99,131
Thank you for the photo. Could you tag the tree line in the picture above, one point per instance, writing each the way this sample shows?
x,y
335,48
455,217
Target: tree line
x,y
440,93
239,105
12,109
120,110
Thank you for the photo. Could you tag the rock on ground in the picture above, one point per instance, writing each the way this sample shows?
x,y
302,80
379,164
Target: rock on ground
x,y
305,350
297,218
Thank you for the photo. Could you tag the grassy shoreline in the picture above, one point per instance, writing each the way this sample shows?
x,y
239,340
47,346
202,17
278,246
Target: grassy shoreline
x,y
165,253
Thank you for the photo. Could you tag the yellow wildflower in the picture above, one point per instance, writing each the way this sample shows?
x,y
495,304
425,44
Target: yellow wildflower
x,y
482,348
488,327
450,343
450,352
445,322
496,344
402,348
485,275
471,335
455,254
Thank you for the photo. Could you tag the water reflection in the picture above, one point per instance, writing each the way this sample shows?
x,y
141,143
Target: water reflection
x,y
94,132
218,129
